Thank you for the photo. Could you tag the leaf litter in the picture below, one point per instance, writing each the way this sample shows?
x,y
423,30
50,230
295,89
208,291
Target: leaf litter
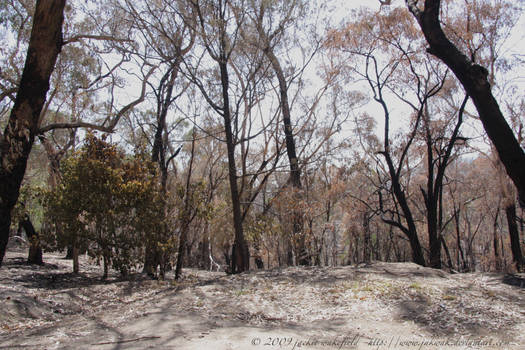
x,y
49,306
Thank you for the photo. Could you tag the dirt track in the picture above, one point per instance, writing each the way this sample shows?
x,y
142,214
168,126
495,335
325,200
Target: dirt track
x,y
375,306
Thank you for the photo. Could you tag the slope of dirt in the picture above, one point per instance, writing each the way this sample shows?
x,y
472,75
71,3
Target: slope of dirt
x,y
374,306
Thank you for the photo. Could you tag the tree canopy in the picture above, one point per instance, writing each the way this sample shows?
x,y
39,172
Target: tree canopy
x,y
236,134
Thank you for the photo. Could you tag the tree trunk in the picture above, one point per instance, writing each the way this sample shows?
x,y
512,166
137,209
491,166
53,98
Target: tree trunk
x,y
69,253
447,252
517,255
417,251
35,250
204,253
151,260
430,197
152,257
433,195
289,251
185,225
497,258
164,101
295,172
76,265
434,240
240,253
411,231
15,145
474,79
366,238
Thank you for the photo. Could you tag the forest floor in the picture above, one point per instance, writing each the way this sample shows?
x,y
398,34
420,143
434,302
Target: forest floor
x,y
374,306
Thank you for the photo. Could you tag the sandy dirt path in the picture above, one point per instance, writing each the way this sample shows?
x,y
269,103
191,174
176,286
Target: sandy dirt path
x,y
375,306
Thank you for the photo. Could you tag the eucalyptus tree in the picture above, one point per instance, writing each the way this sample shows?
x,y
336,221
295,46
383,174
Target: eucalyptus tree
x,y
390,63
286,32
475,78
164,37
218,26
17,139
475,37
270,21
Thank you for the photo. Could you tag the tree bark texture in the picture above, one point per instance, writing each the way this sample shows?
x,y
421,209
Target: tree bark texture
x,y
44,46
517,255
35,250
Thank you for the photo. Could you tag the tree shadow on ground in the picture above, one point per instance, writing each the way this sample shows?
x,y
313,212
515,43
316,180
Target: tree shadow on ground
x,y
517,280
21,263
45,276
460,311
48,336
167,328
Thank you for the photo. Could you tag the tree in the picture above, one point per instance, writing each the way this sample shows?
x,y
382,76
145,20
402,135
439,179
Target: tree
x,y
31,109
269,38
481,29
17,140
106,204
27,208
193,204
394,68
166,39
475,79
218,25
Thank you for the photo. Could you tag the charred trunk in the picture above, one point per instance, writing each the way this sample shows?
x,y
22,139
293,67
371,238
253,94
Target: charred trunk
x,y
44,45
517,255
474,79
35,249
295,172
69,253
435,241
447,253
240,254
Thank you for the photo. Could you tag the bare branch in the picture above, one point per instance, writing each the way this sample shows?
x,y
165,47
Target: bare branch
x,y
113,123
78,38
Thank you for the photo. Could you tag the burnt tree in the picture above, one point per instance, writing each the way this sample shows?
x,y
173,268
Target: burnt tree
x,y
474,79
35,249
15,144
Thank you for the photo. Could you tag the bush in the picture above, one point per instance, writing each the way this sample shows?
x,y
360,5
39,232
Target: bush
x,y
106,204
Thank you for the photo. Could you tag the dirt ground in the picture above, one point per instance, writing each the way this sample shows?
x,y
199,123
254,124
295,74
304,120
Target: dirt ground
x,y
375,306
